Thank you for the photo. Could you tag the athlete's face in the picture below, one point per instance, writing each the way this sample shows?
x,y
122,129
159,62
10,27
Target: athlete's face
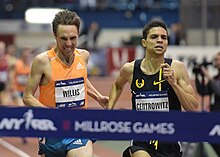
x,y
66,38
156,41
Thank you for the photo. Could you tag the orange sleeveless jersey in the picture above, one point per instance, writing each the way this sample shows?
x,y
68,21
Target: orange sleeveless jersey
x,y
21,75
67,87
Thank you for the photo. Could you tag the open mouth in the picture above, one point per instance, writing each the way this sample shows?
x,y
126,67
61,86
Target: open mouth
x,y
159,47
68,48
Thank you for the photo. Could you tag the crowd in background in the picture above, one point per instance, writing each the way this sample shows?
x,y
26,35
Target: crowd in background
x,y
15,5
15,66
15,61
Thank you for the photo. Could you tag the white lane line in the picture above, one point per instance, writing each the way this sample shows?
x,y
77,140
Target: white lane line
x,y
13,148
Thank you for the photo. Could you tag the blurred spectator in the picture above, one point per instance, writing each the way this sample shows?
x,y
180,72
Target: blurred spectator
x,y
11,58
11,54
211,87
21,72
174,34
92,34
143,4
102,4
87,4
4,74
19,76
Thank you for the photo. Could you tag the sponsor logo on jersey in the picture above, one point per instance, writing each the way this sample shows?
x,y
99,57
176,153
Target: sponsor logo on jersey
x,y
79,66
139,84
158,82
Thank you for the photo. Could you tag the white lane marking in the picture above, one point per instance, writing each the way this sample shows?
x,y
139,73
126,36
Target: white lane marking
x,y
13,148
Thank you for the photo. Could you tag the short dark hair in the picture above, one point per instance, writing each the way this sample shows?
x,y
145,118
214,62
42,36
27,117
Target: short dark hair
x,y
65,17
152,24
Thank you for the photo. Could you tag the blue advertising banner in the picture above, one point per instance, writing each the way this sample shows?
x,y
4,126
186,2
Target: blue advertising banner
x,y
110,124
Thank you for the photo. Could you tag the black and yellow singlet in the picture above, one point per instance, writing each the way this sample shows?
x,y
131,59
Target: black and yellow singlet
x,y
153,93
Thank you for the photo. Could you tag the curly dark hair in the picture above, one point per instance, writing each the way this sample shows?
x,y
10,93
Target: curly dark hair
x,y
152,24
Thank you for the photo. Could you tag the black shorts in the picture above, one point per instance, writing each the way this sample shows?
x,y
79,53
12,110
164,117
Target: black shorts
x,y
162,149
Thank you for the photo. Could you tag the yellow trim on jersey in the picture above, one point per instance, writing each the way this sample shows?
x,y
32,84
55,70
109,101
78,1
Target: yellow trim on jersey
x,y
160,77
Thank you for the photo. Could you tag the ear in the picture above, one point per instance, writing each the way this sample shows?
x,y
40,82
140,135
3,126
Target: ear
x,y
143,41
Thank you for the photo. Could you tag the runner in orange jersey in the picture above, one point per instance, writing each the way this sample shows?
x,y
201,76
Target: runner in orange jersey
x,y
61,76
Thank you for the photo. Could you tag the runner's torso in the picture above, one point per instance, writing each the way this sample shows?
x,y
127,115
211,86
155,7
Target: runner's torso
x,y
67,86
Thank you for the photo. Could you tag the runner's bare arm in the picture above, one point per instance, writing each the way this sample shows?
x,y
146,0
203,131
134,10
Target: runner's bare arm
x,y
125,75
178,78
37,70
91,90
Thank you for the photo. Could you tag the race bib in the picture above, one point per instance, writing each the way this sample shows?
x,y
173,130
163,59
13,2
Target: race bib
x,y
70,93
152,101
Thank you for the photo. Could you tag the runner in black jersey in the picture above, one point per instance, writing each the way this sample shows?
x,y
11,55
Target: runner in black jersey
x,y
157,84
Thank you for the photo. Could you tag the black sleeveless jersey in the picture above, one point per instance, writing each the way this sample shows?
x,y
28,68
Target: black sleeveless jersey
x,y
151,84
153,93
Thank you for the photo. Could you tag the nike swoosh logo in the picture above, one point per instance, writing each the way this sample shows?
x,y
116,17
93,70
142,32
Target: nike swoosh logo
x,y
156,83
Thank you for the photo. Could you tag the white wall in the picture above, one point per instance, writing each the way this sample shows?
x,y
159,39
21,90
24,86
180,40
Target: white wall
x,y
34,40
194,37
114,37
